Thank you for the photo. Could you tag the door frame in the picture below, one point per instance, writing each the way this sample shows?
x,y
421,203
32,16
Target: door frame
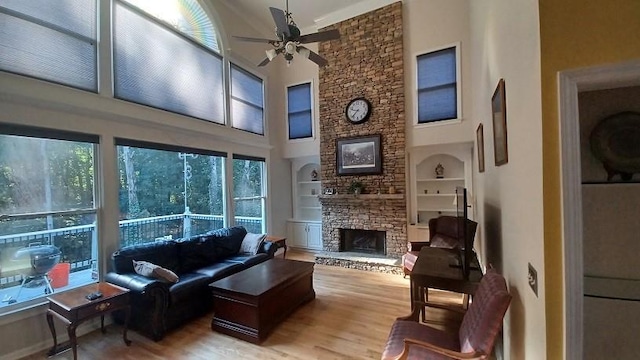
x,y
570,84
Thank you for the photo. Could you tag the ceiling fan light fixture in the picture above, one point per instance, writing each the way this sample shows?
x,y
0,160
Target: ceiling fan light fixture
x,y
289,39
304,52
290,48
271,54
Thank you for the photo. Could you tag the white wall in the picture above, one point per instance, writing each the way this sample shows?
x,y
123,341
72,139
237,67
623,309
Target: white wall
x,y
506,44
430,25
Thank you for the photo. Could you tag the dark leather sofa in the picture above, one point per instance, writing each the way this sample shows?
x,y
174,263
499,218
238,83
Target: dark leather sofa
x,y
158,306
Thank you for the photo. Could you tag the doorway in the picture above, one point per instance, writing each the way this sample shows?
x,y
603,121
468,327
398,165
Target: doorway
x,y
571,84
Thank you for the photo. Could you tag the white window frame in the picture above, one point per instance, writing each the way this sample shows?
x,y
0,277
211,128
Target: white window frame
x,y
459,117
313,112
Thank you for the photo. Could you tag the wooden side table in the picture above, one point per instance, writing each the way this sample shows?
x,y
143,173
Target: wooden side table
x,y
280,241
72,307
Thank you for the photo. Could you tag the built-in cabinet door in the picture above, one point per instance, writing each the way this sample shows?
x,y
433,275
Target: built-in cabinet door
x,y
298,234
314,236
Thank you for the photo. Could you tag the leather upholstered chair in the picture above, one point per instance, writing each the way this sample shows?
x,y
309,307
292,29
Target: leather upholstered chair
x,y
475,338
443,232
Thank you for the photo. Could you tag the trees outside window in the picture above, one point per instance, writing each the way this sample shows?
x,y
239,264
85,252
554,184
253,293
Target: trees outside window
x,y
249,193
169,193
46,199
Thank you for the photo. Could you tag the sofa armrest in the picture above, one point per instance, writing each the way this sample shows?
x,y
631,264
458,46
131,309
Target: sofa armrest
x,y
136,283
268,248
149,302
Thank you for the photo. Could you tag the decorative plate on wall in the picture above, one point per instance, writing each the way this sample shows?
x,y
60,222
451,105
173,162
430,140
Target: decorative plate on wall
x,y
616,142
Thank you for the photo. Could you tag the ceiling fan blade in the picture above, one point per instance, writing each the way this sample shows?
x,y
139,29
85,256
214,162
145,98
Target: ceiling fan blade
x,y
311,56
280,18
271,54
320,36
260,40
264,62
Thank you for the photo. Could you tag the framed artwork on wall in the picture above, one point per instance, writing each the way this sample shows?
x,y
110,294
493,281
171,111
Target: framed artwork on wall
x,y
360,155
499,113
480,143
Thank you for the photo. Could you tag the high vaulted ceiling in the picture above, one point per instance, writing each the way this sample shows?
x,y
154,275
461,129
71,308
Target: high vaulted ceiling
x,y
305,12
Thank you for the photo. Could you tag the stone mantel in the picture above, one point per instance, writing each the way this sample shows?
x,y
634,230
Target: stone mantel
x,y
342,198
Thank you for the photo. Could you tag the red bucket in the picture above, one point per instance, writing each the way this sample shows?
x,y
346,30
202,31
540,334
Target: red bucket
x,y
59,275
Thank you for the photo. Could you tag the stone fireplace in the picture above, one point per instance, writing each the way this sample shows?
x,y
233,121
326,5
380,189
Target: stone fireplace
x,y
367,61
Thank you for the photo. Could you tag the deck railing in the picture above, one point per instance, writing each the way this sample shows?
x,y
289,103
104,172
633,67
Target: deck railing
x,y
80,243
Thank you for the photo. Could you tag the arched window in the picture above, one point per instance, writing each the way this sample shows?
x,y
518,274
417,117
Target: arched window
x,y
166,55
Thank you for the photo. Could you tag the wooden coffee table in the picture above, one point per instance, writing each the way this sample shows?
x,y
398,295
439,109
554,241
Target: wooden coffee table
x,y
72,307
250,304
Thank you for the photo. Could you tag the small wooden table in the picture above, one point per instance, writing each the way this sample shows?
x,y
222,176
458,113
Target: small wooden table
x,y
280,241
435,268
251,303
72,307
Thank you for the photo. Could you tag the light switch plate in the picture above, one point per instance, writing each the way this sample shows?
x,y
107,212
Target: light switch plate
x,y
533,279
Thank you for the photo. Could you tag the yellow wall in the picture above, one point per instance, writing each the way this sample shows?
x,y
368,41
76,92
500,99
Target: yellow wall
x,y
573,34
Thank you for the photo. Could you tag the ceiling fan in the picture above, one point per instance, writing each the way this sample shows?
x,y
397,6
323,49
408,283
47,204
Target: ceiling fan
x,y
289,39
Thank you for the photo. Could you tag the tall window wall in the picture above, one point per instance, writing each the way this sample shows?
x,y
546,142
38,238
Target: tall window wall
x,y
166,56
249,195
168,193
47,202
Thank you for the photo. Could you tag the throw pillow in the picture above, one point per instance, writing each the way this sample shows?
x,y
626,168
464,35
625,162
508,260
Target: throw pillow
x,y
251,243
148,269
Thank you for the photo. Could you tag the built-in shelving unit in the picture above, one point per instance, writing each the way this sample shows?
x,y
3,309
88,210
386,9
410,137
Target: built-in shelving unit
x,y
307,191
436,196
432,194
304,229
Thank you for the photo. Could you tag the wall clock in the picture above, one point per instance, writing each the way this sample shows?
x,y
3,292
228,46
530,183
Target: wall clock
x,y
358,110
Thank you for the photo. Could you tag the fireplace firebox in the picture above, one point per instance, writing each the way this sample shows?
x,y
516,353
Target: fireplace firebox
x,y
364,241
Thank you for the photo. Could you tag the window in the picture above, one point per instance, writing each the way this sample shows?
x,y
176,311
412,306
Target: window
x,y
156,64
299,111
249,193
438,85
168,192
50,40
48,205
246,101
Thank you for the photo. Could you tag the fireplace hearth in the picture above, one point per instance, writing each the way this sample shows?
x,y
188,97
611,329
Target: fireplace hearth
x,y
363,241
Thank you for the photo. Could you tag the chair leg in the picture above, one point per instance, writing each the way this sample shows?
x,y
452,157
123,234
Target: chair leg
x,y
424,294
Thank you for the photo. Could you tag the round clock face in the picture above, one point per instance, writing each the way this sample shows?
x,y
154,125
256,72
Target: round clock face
x,y
358,110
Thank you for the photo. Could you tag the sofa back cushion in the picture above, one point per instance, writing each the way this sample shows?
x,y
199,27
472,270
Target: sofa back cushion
x,y
202,250
161,253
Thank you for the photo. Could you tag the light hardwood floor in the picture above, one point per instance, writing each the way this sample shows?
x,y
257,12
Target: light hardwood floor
x,y
349,319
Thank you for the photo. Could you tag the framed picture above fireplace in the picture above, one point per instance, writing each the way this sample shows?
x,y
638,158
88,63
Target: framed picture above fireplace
x,y
359,155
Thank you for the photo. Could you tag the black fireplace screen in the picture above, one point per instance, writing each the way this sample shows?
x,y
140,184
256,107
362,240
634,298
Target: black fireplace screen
x,y
364,241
